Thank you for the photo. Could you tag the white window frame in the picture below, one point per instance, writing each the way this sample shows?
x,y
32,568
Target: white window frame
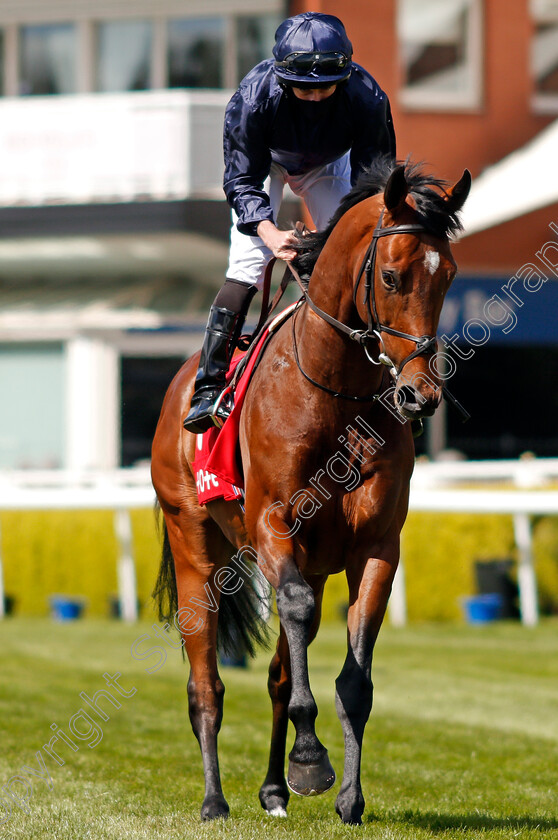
x,y
86,17
542,11
425,98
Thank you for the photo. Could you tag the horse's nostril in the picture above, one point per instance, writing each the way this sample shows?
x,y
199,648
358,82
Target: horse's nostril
x,y
407,396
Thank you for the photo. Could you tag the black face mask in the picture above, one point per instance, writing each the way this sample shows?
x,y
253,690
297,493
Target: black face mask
x,y
313,110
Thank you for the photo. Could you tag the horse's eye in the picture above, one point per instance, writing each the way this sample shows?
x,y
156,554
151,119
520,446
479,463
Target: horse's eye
x,y
389,278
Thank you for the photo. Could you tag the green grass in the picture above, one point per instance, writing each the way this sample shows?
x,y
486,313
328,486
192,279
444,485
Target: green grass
x,y
462,743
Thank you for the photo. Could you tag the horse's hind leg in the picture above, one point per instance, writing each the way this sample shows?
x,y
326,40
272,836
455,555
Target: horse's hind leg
x,y
274,793
198,548
369,592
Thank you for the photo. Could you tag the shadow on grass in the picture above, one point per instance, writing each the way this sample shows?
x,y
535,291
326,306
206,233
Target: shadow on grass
x,y
435,821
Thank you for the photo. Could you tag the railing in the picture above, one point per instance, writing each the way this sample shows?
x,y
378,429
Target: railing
x,y
523,472
119,490
431,490
521,505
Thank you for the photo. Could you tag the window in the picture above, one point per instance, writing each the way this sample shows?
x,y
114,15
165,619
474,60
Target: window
x,y
255,39
2,62
209,51
196,51
124,55
440,47
32,375
544,53
48,59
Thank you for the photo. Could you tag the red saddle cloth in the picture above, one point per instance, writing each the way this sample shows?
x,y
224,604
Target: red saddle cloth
x,y
217,467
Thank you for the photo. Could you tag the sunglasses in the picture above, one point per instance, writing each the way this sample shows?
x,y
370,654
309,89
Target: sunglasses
x,y
323,63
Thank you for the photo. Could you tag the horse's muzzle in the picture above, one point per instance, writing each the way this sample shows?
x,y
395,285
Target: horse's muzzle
x,y
411,404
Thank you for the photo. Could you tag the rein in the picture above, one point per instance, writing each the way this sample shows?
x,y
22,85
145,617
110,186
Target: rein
x,y
319,385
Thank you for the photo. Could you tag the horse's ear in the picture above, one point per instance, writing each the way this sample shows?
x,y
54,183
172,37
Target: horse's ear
x,y
396,190
456,196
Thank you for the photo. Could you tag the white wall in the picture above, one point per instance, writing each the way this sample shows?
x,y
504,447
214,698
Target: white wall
x,y
92,404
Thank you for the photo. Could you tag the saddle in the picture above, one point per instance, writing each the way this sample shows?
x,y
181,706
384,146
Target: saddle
x,y
217,464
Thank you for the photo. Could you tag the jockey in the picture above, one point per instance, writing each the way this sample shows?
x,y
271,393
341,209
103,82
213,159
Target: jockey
x,y
310,118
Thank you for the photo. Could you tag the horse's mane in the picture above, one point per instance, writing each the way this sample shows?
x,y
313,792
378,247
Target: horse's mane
x,y
427,191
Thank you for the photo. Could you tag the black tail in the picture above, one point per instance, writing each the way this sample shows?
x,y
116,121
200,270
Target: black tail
x,y
165,593
242,627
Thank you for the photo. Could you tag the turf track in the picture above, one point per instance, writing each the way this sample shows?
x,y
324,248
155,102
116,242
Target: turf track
x,y
462,743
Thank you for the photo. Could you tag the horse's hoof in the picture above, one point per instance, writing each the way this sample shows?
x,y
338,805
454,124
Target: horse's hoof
x,y
349,807
274,799
214,807
311,779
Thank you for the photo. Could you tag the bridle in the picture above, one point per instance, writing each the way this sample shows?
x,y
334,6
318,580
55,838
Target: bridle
x,y
425,343
375,328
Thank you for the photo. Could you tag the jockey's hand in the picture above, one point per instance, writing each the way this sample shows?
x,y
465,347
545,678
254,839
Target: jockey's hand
x,y
278,241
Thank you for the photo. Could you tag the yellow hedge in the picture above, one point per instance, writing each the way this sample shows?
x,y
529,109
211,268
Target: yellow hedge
x,y
546,562
439,552
75,553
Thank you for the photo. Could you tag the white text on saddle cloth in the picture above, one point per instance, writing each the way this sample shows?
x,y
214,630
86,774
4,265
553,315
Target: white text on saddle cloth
x,y
205,480
209,485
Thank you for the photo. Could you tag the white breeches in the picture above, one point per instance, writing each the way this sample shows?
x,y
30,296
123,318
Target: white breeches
x,y
321,190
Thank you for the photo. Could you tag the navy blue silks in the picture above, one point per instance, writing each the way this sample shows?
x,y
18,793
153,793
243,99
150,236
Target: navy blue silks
x,y
265,122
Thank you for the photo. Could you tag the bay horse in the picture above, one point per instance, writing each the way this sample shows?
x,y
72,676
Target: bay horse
x,y
327,455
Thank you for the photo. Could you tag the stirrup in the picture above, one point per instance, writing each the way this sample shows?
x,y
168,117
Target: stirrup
x,y
222,408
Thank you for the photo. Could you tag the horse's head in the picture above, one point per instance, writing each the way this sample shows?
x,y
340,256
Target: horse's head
x,y
406,273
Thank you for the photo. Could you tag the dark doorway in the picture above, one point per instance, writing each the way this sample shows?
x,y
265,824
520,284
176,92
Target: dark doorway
x,y
144,384
510,393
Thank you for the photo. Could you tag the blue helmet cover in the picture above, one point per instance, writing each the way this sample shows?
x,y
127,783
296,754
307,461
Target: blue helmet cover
x,y
311,32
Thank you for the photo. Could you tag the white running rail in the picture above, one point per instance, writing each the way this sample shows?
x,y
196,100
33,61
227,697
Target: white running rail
x,y
435,487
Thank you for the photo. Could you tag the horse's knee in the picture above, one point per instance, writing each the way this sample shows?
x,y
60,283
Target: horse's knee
x,y
296,602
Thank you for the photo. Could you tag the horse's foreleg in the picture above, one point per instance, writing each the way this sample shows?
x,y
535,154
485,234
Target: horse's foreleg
x,y
197,617
274,793
310,771
369,595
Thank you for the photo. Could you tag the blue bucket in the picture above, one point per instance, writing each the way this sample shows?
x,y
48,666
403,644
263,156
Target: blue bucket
x,y
66,609
233,661
482,609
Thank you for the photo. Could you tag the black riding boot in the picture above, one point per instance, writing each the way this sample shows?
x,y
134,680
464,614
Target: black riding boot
x,y
226,319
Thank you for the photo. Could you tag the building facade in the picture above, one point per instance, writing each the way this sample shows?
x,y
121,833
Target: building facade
x,y
113,229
